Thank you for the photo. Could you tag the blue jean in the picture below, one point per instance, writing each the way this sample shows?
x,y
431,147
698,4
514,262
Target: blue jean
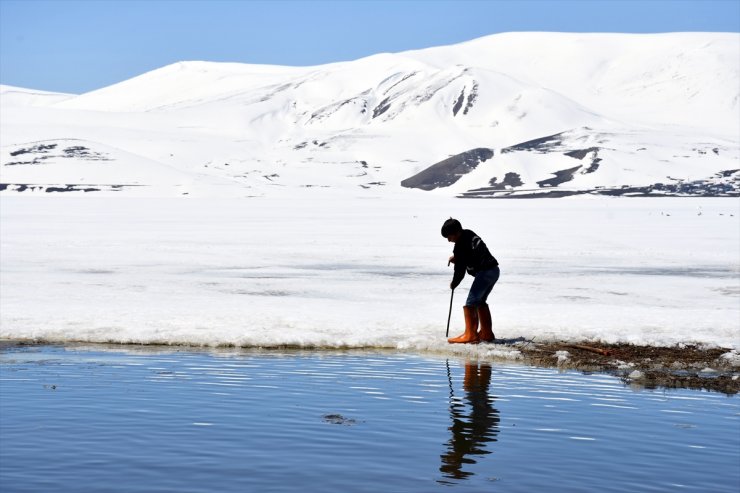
x,y
482,286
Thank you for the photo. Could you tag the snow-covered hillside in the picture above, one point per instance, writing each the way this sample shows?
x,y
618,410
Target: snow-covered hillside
x,y
518,114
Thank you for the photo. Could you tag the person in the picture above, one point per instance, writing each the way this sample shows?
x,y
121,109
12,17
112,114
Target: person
x,y
471,255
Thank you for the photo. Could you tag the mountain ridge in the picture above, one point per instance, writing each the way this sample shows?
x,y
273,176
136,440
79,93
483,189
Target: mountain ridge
x,y
673,95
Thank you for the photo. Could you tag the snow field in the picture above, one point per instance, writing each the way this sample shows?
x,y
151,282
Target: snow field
x,y
327,269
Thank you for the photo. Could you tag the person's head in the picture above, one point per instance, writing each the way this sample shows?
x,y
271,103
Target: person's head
x,y
452,229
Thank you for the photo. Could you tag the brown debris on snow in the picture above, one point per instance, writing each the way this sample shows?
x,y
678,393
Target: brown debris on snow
x,y
684,366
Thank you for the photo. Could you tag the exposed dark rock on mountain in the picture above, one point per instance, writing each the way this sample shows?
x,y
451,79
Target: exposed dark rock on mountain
x,y
38,149
447,172
472,95
560,177
382,107
511,180
458,103
542,144
581,153
42,152
715,186
39,187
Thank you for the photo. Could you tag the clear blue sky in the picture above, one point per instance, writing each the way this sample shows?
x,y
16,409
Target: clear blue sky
x,y
78,46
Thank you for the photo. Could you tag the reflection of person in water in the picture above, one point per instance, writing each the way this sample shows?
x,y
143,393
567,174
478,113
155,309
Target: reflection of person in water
x,y
474,423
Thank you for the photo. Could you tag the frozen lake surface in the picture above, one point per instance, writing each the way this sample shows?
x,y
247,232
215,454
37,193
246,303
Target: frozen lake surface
x,y
340,271
107,418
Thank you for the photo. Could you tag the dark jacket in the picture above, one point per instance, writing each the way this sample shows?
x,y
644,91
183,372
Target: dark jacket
x,y
471,255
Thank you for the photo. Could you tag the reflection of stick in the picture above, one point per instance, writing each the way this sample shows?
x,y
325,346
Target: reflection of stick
x,y
449,316
596,350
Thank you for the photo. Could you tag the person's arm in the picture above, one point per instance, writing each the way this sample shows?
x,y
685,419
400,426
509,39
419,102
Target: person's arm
x,y
459,274
458,277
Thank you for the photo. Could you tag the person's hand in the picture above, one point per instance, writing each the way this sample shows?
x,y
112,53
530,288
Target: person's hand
x,y
451,260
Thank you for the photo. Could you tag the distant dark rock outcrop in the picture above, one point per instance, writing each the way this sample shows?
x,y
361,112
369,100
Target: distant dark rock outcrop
x,y
447,172
582,153
511,180
714,186
561,176
39,153
540,145
75,187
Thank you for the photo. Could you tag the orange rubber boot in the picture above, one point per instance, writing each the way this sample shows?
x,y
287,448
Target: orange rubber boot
x,y
470,336
486,326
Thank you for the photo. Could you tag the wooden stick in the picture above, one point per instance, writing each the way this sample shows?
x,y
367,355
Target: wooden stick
x,y
449,315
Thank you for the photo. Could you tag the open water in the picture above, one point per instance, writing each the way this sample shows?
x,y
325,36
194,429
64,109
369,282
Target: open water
x,y
121,419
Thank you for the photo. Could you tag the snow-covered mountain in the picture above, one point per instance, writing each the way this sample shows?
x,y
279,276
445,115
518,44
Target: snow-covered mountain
x,y
517,114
